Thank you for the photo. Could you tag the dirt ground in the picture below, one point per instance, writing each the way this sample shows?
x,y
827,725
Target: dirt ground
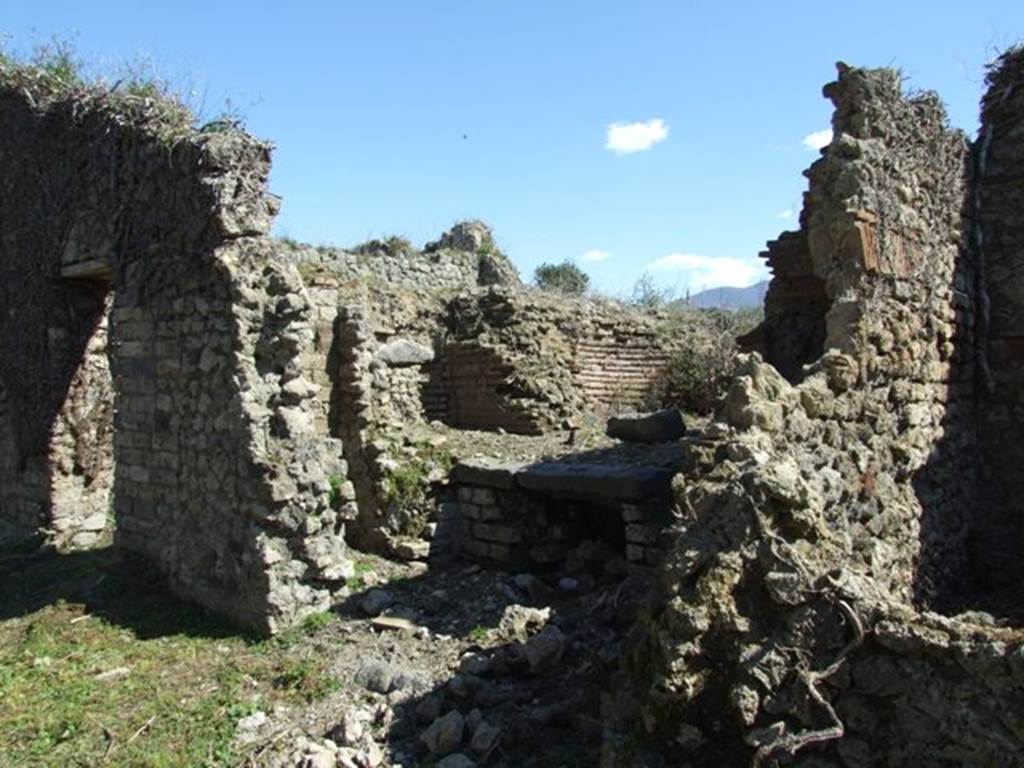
x,y
448,666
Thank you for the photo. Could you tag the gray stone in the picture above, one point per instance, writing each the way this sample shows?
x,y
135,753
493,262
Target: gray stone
x,y
376,601
456,760
545,650
403,352
411,549
657,427
474,664
519,621
487,472
248,728
485,738
600,482
375,675
428,709
444,735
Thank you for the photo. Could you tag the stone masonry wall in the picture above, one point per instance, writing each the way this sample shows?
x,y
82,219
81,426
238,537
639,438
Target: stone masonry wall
x,y
24,494
821,522
542,360
793,332
466,255
219,473
998,239
401,355
387,349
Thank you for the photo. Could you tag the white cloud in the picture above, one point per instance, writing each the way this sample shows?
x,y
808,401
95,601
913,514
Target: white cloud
x,y
786,214
700,272
818,139
626,138
595,255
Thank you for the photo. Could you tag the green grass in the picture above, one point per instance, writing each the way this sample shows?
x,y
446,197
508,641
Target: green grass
x,y
356,581
189,678
305,680
478,634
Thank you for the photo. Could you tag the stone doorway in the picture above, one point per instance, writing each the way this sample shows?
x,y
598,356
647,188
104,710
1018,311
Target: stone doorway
x,y
80,442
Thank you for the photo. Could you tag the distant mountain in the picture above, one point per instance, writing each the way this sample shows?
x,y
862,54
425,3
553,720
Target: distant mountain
x,y
728,297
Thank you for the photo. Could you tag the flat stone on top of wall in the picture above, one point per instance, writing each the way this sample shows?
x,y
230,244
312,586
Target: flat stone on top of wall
x,y
488,472
621,483
576,480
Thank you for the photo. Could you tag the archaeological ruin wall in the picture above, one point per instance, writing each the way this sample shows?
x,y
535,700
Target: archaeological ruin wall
x,y
792,334
997,241
819,605
412,342
156,368
530,361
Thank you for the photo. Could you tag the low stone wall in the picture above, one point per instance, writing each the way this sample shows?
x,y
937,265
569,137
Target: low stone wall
x,y
466,255
532,516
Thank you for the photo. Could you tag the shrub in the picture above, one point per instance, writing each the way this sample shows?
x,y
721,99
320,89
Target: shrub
x,y
698,372
564,278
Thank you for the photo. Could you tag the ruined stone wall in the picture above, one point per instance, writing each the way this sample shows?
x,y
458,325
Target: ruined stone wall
x,y
531,516
528,361
818,523
998,240
793,332
219,474
466,255
395,358
387,377
24,490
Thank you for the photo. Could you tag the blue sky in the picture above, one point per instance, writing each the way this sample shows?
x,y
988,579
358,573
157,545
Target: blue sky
x,y
660,137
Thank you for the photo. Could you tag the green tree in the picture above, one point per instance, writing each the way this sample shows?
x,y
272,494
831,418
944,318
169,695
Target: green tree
x,y
564,278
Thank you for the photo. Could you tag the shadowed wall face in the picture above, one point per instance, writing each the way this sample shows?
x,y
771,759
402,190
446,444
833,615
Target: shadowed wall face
x,y
998,237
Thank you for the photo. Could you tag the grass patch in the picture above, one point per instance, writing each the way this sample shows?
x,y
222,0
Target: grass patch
x,y
100,665
305,680
336,482
357,580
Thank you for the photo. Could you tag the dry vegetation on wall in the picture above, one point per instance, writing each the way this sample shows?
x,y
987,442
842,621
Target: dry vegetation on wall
x,y
702,340
134,92
698,372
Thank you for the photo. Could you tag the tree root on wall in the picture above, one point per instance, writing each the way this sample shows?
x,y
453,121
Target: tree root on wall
x,y
788,745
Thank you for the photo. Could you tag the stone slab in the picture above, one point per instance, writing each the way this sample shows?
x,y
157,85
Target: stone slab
x,y
487,472
596,481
